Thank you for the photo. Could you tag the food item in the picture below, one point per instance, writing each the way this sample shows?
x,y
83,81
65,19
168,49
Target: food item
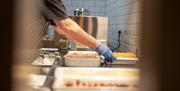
x,y
124,55
125,58
41,61
83,84
82,59
77,82
68,84
122,85
98,84
82,54
96,78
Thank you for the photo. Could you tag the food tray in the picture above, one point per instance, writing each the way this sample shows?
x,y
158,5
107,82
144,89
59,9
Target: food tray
x,y
82,62
48,49
43,61
82,59
96,79
94,84
125,61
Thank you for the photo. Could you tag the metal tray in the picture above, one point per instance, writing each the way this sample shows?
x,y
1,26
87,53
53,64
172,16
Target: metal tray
x,y
120,76
82,62
43,62
125,61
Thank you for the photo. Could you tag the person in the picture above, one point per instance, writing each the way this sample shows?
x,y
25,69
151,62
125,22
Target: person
x,y
56,11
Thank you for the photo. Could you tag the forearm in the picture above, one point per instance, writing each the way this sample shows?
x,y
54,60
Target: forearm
x,y
73,31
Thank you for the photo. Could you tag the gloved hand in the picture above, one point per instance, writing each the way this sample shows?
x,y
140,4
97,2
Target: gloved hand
x,y
105,52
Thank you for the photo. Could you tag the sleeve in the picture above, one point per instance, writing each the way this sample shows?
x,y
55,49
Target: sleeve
x,y
54,9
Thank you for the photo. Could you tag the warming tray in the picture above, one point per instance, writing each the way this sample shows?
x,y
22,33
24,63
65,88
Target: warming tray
x,y
82,59
96,79
125,61
124,58
43,61
82,62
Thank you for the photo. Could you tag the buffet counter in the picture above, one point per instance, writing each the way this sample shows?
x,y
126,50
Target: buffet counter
x,y
58,76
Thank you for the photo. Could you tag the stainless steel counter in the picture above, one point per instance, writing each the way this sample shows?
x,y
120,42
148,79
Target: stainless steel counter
x,y
50,72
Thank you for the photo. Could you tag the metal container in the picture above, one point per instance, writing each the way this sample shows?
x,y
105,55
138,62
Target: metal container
x,y
81,12
96,79
82,61
96,26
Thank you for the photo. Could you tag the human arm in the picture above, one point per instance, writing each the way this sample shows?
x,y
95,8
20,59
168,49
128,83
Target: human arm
x,y
55,10
73,31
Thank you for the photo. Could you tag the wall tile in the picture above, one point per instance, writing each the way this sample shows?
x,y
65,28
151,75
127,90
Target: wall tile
x,y
90,3
124,15
100,3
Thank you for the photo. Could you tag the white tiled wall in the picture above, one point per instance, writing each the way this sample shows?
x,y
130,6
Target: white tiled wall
x,y
122,15
95,7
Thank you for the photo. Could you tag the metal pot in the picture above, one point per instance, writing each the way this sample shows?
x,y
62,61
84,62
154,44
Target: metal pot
x,y
81,12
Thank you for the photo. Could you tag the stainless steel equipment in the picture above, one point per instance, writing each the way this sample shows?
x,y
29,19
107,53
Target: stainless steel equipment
x,y
81,12
96,79
96,26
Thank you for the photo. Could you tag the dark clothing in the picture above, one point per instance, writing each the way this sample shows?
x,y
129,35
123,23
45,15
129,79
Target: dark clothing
x,y
46,12
53,9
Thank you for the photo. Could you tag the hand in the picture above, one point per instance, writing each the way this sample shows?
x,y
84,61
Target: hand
x,y
105,52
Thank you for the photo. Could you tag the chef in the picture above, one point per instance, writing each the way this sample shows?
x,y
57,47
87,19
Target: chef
x,y
55,10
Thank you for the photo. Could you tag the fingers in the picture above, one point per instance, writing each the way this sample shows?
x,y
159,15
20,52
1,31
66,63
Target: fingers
x,y
108,57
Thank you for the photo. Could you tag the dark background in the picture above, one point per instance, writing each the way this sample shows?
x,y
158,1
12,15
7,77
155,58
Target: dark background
x,y
6,31
160,44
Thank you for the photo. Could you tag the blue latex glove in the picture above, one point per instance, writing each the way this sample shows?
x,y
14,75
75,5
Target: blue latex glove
x,y
105,52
